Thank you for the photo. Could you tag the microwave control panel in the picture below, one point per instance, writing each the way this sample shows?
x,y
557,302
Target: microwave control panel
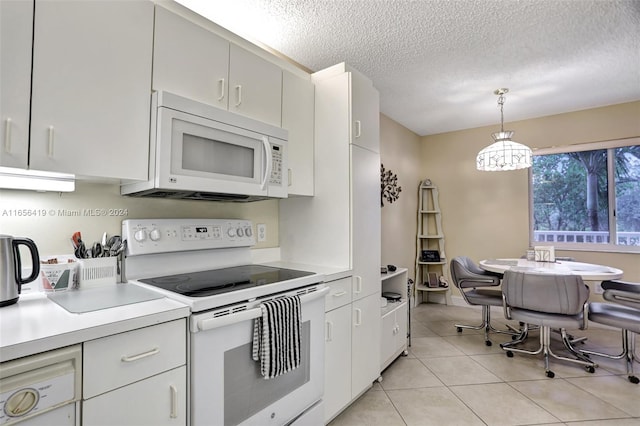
x,y
276,165
146,236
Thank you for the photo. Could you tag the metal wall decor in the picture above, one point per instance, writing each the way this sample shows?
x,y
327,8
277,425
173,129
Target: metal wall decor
x,y
389,188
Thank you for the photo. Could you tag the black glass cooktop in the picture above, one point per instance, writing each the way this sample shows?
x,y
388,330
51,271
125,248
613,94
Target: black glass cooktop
x,y
217,281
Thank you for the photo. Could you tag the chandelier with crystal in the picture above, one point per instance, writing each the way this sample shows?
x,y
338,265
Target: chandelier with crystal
x,y
504,154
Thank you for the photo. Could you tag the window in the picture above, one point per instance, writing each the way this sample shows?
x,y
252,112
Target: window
x,y
587,196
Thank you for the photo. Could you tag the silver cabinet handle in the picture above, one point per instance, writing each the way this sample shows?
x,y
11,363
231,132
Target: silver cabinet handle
x,y
329,336
132,358
358,129
50,145
7,135
174,402
221,86
358,286
238,95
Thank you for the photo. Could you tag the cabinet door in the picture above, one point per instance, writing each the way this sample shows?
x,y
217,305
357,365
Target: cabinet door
x,y
388,327
365,108
156,401
365,221
91,88
255,86
365,344
189,60
402,320
297,118
337,361
16,24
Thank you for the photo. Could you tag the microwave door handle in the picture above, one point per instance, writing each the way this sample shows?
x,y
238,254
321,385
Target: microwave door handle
x,y
269,157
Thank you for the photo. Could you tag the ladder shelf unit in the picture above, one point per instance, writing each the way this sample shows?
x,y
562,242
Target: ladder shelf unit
x,y
431,260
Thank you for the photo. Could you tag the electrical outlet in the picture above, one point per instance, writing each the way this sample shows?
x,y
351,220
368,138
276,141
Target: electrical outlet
x,y
261,229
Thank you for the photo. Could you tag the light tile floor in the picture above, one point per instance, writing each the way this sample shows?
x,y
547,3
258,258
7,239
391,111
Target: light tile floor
x,y
452,378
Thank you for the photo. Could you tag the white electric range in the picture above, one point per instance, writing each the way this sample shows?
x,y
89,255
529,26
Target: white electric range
x,y
206,264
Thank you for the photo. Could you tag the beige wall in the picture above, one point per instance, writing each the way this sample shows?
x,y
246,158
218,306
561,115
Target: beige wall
x,y
70,212
486,214
400,153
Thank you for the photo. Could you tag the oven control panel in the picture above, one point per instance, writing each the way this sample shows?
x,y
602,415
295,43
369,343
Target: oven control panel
x,y
147,236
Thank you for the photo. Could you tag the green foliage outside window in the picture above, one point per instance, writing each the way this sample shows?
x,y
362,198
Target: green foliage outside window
x,y
571,195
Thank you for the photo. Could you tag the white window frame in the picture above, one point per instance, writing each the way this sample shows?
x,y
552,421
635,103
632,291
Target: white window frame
x,y
617,143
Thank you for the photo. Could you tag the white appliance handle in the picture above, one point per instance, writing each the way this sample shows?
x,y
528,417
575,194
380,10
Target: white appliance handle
x,y
269,157
212,323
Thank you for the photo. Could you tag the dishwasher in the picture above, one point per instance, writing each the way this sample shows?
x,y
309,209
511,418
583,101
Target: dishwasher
x,y
42,389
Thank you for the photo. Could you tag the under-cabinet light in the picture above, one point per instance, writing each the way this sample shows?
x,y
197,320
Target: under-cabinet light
x,y
36,180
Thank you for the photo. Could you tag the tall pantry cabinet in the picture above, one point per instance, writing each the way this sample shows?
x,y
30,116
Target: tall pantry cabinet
x,y
340,227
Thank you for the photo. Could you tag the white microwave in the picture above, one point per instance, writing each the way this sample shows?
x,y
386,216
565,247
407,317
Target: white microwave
x,y
201,152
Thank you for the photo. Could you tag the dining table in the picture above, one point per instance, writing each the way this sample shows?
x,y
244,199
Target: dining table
x,y
588,271
592,274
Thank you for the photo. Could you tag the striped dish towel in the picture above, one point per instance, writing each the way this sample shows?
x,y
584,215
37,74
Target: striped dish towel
x,y
276,336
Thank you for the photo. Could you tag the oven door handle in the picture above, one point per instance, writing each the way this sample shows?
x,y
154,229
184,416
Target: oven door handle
x,y
211,323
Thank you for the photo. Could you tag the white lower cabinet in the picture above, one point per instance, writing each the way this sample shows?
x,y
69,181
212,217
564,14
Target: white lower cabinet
x,y
337,361
352,346
365,344
156,401
393,333
394,317
136,378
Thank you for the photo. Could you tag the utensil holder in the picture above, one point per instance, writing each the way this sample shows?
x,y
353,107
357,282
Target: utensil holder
x,y
97,272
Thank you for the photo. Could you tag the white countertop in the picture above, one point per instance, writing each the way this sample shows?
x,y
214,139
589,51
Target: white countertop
x,y
36,324
330,273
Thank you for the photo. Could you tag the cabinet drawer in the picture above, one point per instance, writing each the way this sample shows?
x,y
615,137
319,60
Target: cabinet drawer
x,y
339,295
118,360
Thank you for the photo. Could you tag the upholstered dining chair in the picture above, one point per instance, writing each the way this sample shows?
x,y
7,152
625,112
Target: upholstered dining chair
x,y
474,285
550,301
624,314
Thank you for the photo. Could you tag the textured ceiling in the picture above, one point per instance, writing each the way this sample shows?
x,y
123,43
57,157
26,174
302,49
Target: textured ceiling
x,y
436,63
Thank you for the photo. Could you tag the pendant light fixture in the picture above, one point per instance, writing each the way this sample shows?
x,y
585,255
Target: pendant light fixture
x,y
503,154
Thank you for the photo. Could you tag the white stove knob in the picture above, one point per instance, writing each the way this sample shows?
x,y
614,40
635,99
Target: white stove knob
x,y
154,234
248,231
140,235
231,232
240,232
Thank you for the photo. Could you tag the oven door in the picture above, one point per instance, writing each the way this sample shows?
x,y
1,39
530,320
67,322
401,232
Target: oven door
x,y
226,385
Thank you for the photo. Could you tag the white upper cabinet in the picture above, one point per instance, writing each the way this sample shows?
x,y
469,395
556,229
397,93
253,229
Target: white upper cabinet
x,y
190,60
297,118
255,86
16,25
194,62
365,109
91,88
